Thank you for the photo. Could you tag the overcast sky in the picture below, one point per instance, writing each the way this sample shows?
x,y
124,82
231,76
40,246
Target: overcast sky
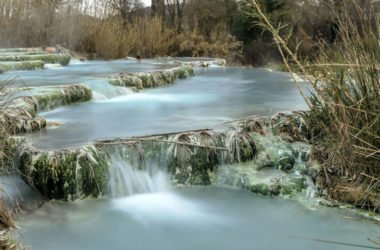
x,y
147,2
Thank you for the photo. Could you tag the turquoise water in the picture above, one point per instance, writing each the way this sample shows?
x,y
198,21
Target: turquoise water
x,y
154,215
191,218
214,96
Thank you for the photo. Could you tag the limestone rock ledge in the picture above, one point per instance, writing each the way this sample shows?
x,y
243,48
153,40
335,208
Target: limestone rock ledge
x,y
61,58
19,115
20,50
141,80
65,175
26,65
191,158
52,97
202,62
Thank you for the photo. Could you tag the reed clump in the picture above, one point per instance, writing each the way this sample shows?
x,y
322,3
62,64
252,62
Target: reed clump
x,y
100,30
6,163
344,117
148,36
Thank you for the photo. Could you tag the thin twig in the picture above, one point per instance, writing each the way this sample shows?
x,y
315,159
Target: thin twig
x,y
342,65
374,242
166,141
360,219
335,242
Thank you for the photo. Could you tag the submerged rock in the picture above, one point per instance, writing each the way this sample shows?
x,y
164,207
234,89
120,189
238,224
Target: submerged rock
x,y
141,80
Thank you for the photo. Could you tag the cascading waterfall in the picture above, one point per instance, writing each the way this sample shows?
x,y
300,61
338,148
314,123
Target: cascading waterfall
x,y
128,179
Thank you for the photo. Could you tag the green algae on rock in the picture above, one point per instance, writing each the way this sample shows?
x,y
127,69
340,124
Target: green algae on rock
x,y
61,58
266,182
272,166
19,50
52,97
203,62
279,168
21,65
141,80
65,175
20,116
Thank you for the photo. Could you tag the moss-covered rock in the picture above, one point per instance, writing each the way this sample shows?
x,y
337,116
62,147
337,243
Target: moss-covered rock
x,y
61,58
274,152
241,145
191,164
65,175
20,116
52,97
202,62
192,158
20,50
291,127
267,182
25,65
141,80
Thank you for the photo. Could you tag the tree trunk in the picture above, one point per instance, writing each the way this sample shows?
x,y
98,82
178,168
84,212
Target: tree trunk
x,y
158,8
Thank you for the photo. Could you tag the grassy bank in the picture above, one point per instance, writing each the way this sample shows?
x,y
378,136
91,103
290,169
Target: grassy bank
x,y
345,107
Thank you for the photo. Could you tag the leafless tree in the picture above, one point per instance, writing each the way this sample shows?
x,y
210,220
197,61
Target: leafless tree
x,y
176,12
125,7
158,8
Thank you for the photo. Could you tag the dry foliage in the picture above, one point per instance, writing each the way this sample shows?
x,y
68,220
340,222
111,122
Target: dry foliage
x,y
110,31
6,163
344,107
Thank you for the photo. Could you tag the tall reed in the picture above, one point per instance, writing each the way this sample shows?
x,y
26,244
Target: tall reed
x,y
6,163
344,105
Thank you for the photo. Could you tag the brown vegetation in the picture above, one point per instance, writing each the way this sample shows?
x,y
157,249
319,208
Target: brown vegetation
x,y
215,28
345,107
110,29
6,163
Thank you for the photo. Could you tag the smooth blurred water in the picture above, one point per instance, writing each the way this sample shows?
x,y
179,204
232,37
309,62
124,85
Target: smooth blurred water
x,y
215,95
154,216
191,218
126,179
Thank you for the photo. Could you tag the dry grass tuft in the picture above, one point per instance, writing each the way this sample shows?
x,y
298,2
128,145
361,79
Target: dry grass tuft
x,y
344,115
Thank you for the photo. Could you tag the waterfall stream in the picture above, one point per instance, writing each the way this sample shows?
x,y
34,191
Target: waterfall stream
x,y
127,179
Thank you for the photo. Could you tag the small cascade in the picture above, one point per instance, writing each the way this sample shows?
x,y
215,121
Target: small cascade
x,y
97,96
311,189
128,179
102,91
